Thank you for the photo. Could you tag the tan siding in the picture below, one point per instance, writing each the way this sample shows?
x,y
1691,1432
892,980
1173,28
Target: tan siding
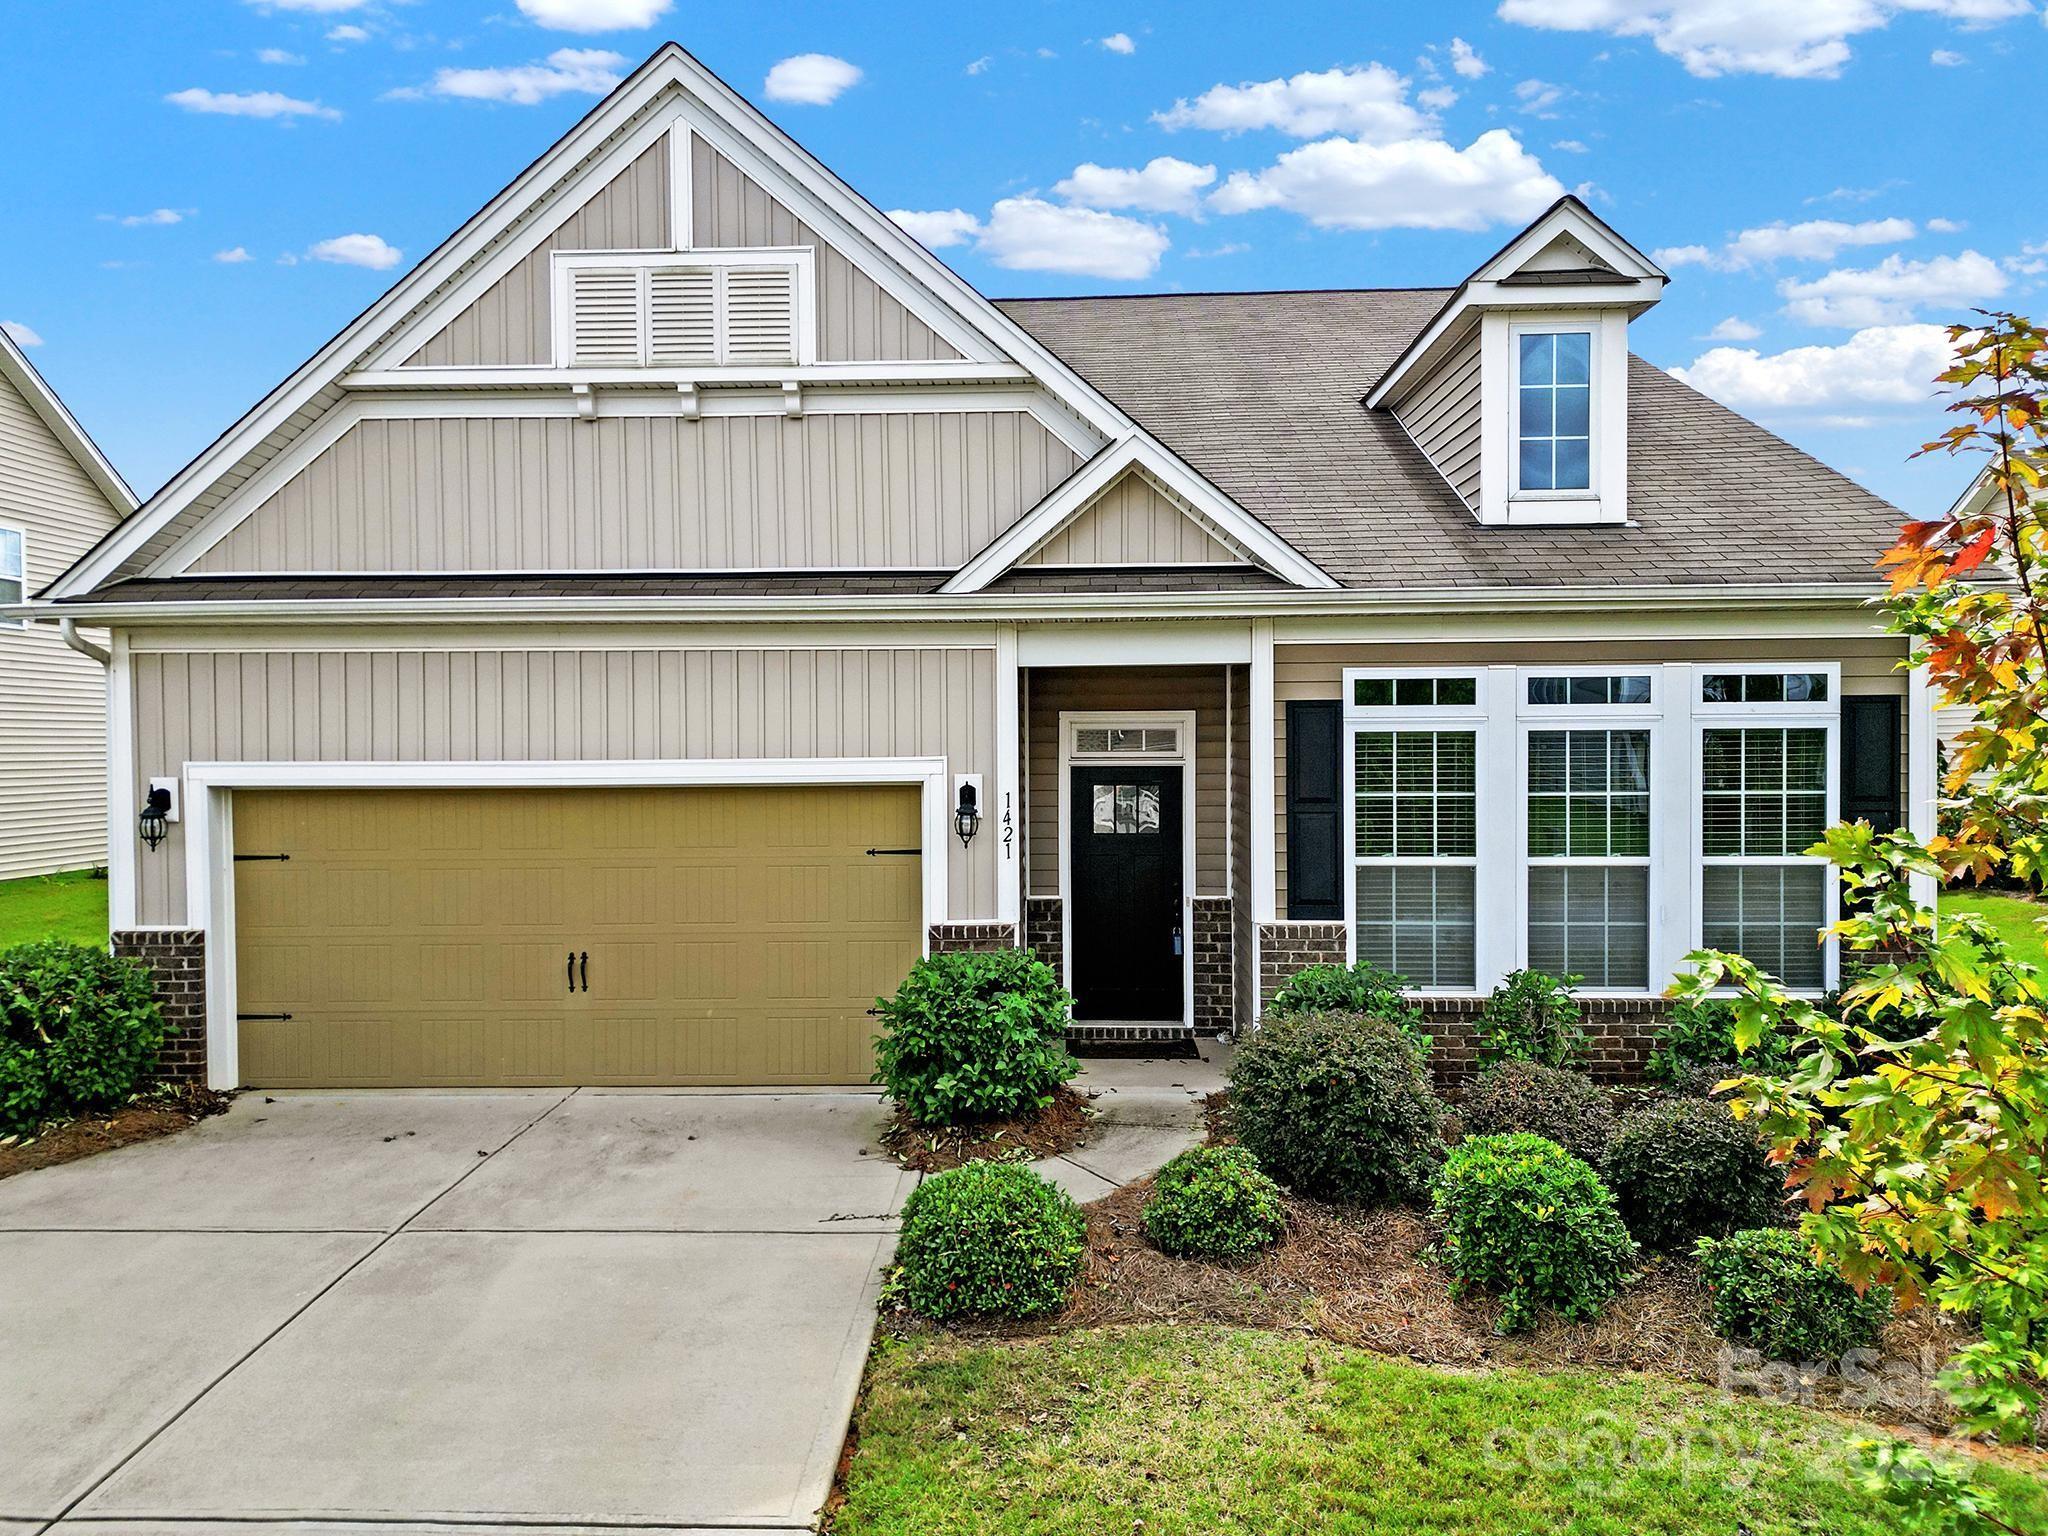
x,y
1443,418
53,701
653,493
1317,672
1134,522
1055,690
1244,965
858,322
563,705
511,322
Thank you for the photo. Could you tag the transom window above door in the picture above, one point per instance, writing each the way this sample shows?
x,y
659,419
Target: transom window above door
x,y
1126,740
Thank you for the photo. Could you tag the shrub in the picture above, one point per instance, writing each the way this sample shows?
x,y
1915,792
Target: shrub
x,y
1361,988
1568,1108
1214,1203
1532,1017
79,1030
1687,1168
1528,1222
987,1240
1769,1290
1338,1105
1696,1048
979,1036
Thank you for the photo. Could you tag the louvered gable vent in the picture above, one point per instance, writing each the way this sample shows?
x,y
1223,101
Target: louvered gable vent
x,y
606,306
682,316
759,314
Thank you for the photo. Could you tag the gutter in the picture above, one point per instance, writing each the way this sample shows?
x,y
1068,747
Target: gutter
x,y
68,628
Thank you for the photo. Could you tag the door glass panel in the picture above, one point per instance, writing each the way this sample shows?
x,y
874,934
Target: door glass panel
x,y
1124,809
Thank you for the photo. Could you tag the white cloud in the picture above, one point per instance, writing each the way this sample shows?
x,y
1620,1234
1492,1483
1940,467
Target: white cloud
x,y
1946,58
1885,365
1538,97
980,66
590,71
370,251
1804,39
1571,146
1119,42
156,216
248,104
1894,291
1813,240
813,79
348,32
279,56
593,15
1670,256
938,227
233,256
21,335
1027,234
1369,102
1437,98
1228,248
1465,59
1733,329
1162,185
1943,227
1417,184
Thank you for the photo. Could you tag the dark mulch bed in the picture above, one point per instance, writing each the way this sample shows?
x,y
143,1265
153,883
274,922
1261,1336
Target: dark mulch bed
x,y
157,1113
1059,1127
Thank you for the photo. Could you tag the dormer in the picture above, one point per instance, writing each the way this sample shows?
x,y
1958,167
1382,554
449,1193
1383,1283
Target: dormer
x,y
1517,389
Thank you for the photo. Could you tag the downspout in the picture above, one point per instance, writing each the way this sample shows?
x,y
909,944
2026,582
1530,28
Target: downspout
x,y
68,628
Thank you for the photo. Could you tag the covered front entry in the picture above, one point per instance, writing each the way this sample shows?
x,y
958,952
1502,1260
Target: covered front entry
x,y
528,936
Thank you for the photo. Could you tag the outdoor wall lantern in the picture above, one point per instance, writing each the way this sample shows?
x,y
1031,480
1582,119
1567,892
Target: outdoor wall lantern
x,y
967,812
155,820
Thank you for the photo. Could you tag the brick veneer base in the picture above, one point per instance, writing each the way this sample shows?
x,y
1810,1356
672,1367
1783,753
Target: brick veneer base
x,y
1285,948
1619,1035
954,938
1043,916
1213,940
177,957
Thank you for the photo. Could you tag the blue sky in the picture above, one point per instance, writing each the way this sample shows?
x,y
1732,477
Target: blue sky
x,y
210,189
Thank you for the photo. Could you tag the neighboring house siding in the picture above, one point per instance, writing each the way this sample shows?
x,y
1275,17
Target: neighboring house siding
x,y
53,701
858,322
511,322
1443,418
1059,690
1317,672
1134,522
653,493
273,703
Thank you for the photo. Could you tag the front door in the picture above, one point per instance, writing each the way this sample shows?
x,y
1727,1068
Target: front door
x,y
1125,918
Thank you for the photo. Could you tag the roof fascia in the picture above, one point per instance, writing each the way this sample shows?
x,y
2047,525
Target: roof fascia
x,y
56,415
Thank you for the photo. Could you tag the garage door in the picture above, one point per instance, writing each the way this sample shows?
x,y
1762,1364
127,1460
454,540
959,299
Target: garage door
x,y
549,936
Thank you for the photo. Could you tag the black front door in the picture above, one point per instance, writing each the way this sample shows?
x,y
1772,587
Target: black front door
x,y
1125,921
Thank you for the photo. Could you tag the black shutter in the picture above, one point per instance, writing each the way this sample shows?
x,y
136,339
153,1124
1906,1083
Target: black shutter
x,y
1315,811
1870,760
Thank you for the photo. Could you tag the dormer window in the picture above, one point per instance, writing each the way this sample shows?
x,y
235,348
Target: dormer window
x,y
693,312
1553,426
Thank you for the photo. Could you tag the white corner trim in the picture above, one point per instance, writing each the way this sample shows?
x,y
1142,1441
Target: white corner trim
x,y
1260,735
209,831
1074,495
1923,774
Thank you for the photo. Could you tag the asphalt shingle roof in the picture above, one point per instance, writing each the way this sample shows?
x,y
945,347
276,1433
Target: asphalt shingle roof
x,y
1261,393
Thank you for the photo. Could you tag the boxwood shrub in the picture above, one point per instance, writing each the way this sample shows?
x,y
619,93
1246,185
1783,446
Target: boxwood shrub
x,y
1214,1203
974,1036
1529,1223
987,1240
1362,988
1568,1108
1770,1291
79,1031
1687,1168
1338,1106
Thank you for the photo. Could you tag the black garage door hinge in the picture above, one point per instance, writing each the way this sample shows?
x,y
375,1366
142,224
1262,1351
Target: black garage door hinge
x,y
263,858
244,1018
877,853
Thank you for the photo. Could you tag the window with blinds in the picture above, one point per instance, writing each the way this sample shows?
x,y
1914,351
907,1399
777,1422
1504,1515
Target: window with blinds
x,y
1415,853
1763,803
683,316
1589,856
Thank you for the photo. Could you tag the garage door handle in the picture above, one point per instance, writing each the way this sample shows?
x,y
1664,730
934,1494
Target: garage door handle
x,y
572,971
586,970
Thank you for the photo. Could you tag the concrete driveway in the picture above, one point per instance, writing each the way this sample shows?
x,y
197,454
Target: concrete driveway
x,y
552,1308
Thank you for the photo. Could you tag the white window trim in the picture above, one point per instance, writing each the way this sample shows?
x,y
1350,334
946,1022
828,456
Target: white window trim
x,y
1501,499
1474,717
801,260
1651,670
20,533
1183,758
1800,714
1590,491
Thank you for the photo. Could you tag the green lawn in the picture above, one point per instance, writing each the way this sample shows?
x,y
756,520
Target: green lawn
x,y
70,906
1162,1431
2013,917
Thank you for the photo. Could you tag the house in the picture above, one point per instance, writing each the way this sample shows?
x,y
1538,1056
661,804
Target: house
x,y
681,601
58,497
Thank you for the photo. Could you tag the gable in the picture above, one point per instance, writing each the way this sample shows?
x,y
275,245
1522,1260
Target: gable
x,y
1135,521
46,495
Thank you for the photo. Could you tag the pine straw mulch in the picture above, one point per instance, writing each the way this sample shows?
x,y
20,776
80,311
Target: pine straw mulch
x,y
160,1112
1062,1125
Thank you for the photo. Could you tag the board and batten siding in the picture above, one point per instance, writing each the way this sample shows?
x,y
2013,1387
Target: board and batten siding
x,y
1061,690
53,701
1134,522
511,322
1317,672
1443,419
888,489
564,705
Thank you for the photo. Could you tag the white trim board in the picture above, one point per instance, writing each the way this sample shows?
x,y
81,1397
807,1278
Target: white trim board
x,y
209,831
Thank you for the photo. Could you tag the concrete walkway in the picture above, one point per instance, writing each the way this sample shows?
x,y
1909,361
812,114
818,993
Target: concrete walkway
x,y
1146,1111
548,1308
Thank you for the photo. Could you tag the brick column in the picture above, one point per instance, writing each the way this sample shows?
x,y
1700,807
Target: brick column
x,y
953,938
1043,916
177,957
1214,941
1285,948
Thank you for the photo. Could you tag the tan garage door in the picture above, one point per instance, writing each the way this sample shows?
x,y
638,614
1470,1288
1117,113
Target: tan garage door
x,y
544,936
